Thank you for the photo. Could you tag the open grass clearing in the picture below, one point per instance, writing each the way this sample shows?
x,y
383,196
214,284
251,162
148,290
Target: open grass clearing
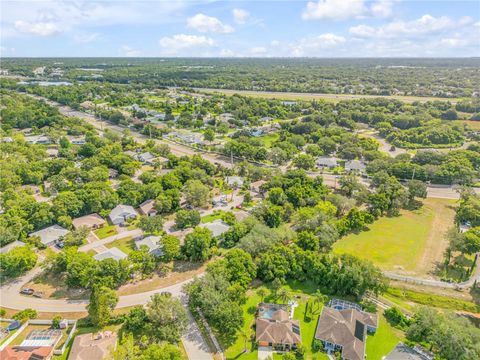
x,y
127,244
318,96
182,271
408,299
412,243
106,231
53,287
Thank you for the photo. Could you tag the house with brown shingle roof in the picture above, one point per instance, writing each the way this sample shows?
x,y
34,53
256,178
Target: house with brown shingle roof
x,y
93,346
345,330
275,328
91,221
147,208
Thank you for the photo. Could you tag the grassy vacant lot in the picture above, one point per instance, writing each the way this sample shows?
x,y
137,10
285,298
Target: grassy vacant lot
x,y
412,243
408,299
317,96
106,231
126,244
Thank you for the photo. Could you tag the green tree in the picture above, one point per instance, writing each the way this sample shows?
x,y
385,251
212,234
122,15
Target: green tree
x,y
102,301
187,218
197,194
197,246
171,247
167,316
151,224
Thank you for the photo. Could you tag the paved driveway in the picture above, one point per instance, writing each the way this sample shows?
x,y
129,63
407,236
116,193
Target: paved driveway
x,y
264,352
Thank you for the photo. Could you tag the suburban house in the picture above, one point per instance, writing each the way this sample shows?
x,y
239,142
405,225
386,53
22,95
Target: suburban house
x,y
217,227
147,208
234,181
93,346
33,353
77,140
153,244
92,222
38,139
275,328
50,235
121,213
52,152
146,158
10,246
343,327
404,352
256,186
112,253
355,166
325,162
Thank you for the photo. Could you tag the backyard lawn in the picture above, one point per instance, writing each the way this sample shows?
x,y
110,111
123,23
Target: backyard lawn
x,y
412,243
126,244
383,341
106,231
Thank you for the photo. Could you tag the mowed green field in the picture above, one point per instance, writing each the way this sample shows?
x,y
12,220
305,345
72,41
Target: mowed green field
x,y
411,242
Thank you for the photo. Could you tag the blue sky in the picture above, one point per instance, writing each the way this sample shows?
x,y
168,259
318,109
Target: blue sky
x,y
317,28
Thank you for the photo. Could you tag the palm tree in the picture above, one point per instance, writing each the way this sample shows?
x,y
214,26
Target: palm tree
x,y
284,295
320,298
262,292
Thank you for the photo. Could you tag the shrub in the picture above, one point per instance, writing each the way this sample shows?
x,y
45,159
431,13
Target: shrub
x,y
396,318
25,315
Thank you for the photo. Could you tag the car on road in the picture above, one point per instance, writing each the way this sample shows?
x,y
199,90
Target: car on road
x,y
27,291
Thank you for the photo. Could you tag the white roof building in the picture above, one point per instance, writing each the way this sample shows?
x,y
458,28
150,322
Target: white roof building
x,y
113,253
217,227
234,180
10,246
122,213
153,244
49,235
355,165
328,162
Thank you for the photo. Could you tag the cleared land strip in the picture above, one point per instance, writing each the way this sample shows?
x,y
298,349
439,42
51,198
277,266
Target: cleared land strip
x,y
317,96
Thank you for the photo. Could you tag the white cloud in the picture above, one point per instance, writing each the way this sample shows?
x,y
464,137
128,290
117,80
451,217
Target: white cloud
x,y
176,43
37,29
130,52
334,9
240,16
257,50
85,38
227,53
382,8
427,24
49,17
208,24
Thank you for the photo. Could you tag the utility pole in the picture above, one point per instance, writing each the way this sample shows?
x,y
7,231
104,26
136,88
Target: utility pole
x,y
413,175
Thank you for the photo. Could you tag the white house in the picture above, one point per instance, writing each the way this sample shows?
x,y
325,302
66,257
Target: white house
x,y
50,235
122,213
113,253
217,227
10,246
152,242
234,181
327,162
146,158
356,166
